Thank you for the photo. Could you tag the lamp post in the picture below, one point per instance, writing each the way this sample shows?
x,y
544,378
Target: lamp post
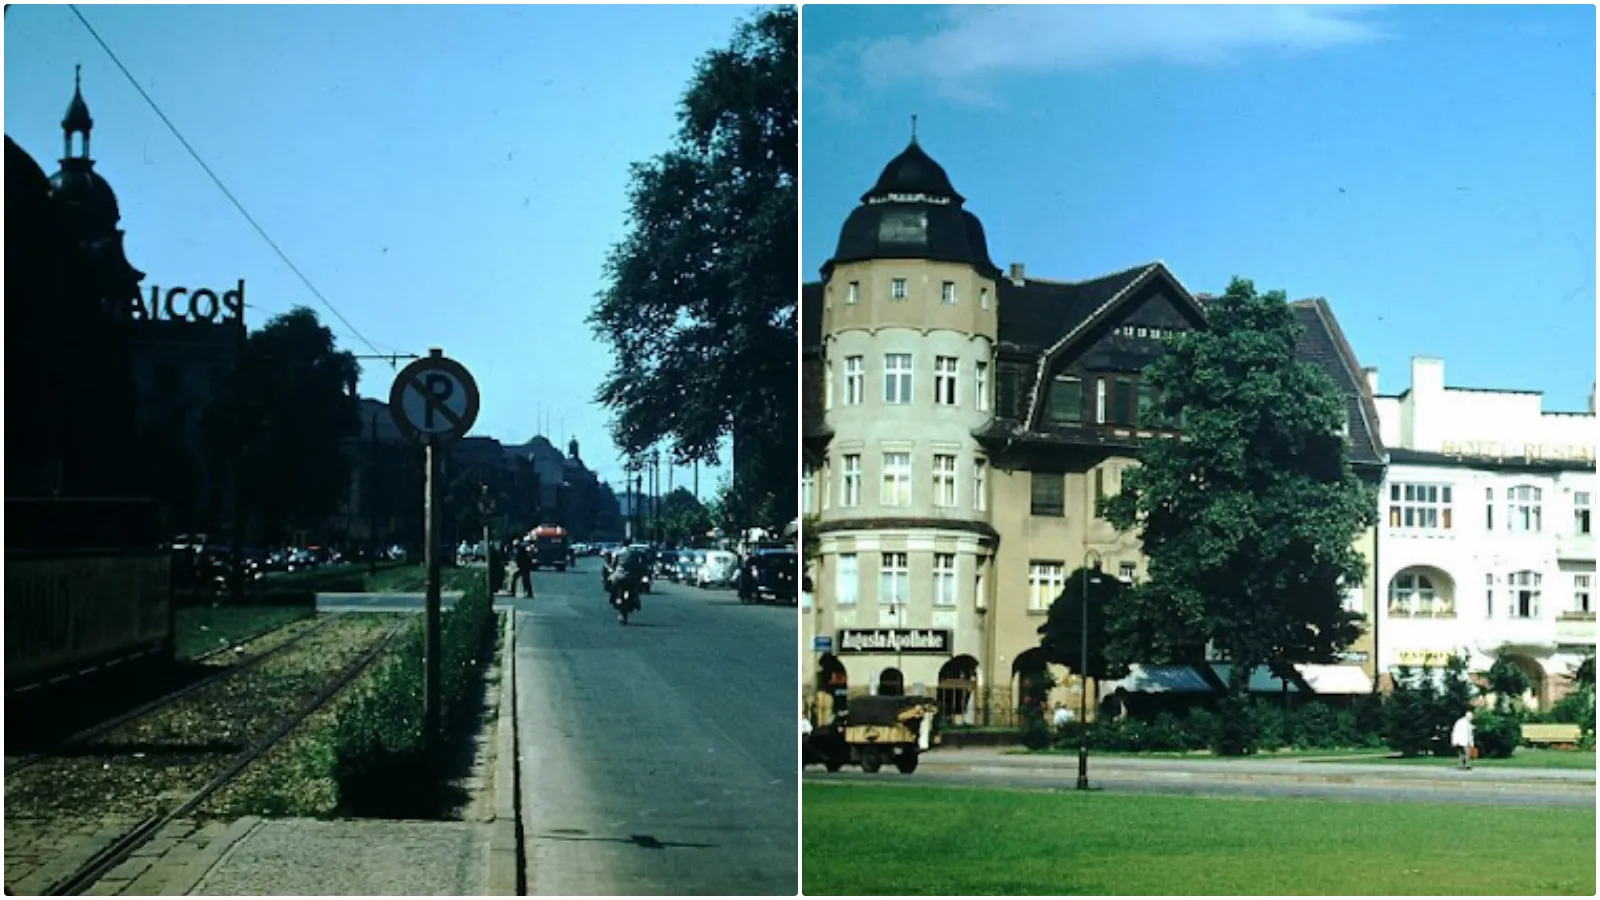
x,y
1092,558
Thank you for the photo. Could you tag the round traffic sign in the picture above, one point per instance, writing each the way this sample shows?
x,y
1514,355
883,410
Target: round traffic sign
x,y
434,398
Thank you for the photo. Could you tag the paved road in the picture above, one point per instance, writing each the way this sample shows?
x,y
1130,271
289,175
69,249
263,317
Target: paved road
x,y
1247,778
659,757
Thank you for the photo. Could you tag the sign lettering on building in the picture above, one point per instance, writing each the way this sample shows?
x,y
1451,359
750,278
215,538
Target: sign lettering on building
x,y
1498,450
894,640
179,304
1428,659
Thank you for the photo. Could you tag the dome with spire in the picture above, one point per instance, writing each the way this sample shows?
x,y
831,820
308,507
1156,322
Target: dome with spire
x,y
87,199
913,212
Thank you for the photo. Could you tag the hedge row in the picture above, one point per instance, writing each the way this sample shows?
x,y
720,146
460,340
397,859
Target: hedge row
x,y
1260,725
377,757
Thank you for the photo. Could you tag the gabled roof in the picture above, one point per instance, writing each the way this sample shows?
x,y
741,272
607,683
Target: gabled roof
x,y
1322,343
1038,313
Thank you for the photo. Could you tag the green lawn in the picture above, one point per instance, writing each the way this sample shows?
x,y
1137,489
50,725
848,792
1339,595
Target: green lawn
x,y
875,840
1338,754
1524,758
203,628
412,579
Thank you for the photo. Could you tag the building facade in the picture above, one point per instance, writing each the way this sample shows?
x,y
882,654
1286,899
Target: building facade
x,y
1485,530
960,423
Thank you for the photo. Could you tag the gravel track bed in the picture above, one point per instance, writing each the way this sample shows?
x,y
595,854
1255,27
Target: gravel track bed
x,y
162,757
266,643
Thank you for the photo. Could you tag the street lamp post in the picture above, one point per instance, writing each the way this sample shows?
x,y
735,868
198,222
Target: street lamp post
x,y
1083,670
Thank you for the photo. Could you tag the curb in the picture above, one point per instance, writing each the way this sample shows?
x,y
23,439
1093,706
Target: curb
x,y
505,865
188,877
1376,779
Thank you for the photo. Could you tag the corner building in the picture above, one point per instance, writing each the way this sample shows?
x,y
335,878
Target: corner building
x,y
960,422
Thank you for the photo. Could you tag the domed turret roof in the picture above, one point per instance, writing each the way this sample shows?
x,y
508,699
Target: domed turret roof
x,y
913,212
86,197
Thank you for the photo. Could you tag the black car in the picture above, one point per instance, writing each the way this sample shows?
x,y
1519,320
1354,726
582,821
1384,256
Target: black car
x,y
770,576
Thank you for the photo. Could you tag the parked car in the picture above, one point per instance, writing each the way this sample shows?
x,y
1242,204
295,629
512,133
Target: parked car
x,y
720,569
768,576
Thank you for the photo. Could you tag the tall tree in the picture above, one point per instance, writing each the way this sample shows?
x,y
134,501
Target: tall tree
x,y
1061,635
683,518
299,407
700,309
1249,520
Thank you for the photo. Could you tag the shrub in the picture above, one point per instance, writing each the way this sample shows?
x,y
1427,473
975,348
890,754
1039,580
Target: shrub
x,y
1408,715
1235,729
1496,734
1318,725
379,760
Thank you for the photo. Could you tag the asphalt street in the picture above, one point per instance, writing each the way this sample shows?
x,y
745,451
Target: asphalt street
x,y
660,757
1481,786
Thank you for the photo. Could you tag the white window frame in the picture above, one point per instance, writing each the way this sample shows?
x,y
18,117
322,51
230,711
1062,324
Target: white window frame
x,y
855,375
947,293
1126,572
1582,592
853,296
1100,401
946,371
1414,595
1046,580
898,290
1524,587
980,498
983,298
1525,509
847,580
894,578
896,482
897,378
808,491
980,384
944,579
1582,515
850,481
827,388
944,480
1420,506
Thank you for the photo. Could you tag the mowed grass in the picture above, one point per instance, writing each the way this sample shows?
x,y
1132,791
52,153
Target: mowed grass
x,y
888,840
1335,755
204,628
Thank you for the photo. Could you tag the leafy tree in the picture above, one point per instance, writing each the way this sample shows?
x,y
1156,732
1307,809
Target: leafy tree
x,y
700,307
1061,634
299,406
683,518
1506,680
1249,521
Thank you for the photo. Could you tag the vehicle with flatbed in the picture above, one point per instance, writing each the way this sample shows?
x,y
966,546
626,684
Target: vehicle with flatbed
x,y
873,732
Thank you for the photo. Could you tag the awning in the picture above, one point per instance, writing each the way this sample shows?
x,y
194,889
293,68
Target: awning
x,y
1160,680
1336,679
1262,681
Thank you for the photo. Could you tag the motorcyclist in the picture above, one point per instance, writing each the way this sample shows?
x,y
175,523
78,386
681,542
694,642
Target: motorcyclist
x,y
628,572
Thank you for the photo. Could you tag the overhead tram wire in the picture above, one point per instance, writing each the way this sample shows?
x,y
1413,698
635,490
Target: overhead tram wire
x,y
224,188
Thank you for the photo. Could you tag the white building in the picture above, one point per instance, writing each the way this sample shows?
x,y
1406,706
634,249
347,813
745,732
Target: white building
x,y
1485,538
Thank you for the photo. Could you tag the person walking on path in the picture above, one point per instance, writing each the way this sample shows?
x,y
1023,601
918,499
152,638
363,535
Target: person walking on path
x,y
524,574
1461,738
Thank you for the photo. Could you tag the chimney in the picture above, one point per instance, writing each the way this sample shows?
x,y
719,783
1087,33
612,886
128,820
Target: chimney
x,y
1018,274
1591,398
1372,379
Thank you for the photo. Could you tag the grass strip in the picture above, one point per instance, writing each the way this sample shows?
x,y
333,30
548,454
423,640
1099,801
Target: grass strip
x,y
887,840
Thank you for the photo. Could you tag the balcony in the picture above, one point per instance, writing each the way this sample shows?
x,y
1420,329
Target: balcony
x,y
1575,628
1575,546
1528,633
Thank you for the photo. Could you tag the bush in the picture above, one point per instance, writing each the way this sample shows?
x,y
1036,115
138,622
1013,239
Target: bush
x,y
1236,728
379,760
1496,734
1320,726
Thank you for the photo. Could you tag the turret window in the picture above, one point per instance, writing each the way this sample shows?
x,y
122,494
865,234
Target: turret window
x,y
850,484
944,480
947,293
897,289
944,380
853,381
897,378
896,479
853,296
983,298
979,493
980,373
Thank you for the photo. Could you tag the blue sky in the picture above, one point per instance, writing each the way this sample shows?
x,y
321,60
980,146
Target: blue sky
x,y
446,176
1429,170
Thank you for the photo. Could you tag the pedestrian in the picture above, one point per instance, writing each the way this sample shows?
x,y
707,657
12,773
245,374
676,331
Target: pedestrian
x,y
1461,738
524,571
1063,716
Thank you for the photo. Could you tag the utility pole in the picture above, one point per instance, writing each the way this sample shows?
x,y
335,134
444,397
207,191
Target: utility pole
x,y
430,670
627,505
372,502
236,576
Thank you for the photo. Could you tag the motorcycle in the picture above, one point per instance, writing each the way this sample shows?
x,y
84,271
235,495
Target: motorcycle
x,y
625,602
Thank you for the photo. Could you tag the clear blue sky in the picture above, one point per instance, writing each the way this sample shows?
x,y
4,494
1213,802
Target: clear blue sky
x,y
1429,170
446,176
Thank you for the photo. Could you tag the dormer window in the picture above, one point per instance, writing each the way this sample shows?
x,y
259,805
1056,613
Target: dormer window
x,y
854,295
1066,400
897,289
947,293
1142,331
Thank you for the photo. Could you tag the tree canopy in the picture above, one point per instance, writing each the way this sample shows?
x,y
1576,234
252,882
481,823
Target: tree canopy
x,y
1249,520
684,520
700,308
1061,635
299,407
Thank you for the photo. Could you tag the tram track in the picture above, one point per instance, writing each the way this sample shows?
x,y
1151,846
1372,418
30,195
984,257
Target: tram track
x,y
106,726
125,846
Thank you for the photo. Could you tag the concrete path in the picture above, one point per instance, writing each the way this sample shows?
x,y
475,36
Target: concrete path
x,y
660,757
1394,782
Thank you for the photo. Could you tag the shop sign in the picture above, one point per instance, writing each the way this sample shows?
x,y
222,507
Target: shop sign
x,y
1498,450
179,304
1428,659
894,640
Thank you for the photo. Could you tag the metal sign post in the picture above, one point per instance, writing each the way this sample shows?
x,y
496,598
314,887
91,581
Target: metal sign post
x,y
486,510
434,400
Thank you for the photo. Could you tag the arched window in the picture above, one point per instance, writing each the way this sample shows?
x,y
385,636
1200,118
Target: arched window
x,y
1413,593
891,683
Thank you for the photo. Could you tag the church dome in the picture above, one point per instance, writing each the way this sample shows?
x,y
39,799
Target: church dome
x,y
913,212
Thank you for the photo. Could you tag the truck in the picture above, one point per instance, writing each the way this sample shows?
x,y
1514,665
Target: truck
x,y
550,547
